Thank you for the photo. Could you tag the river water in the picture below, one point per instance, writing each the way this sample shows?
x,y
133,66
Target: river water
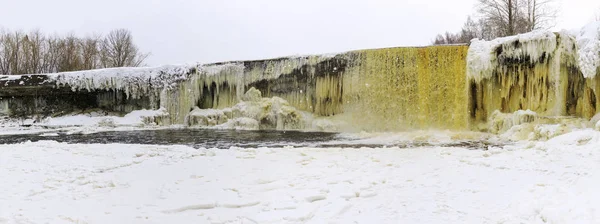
x,y
204,138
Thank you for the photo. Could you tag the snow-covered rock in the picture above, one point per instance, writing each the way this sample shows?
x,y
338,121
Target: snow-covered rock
x,y
206,117
588,49
485,56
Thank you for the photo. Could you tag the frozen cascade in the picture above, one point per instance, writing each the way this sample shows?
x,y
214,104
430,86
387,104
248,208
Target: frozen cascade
x,y
588,49
254,112
485,57
392,89
549,73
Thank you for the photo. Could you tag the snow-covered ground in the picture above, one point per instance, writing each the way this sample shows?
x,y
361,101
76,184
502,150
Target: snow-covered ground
x,y
532,182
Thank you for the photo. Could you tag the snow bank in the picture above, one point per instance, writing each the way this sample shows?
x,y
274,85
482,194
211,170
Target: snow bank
x,y
135,118
542,182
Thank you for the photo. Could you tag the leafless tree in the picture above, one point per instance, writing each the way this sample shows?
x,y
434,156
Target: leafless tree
x,y
540,14
471,29
118,50
511,17
90,50
69,54
35,52
502,14
499,18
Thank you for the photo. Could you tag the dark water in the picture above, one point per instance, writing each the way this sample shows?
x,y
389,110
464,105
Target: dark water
x,y
202,138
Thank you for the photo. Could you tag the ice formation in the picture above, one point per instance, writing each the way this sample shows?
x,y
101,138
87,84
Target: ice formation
x,y
393,89
588,49
528,125
485,57
135,82
552,74
500,122
254,112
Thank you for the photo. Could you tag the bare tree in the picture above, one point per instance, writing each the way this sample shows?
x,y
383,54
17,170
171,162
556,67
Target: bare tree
x,y
4,55
499,18
540,14
52,54
471,29
502,14
511,17
33,48
35,52
118,50
69,54
90,52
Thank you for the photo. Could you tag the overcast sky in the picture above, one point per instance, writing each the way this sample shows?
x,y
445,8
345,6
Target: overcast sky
x,y
187,31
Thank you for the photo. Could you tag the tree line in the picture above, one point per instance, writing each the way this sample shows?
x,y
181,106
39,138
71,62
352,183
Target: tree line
x,y
35,52
500,18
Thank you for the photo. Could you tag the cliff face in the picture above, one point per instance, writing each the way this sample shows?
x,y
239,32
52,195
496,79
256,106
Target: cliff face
x,y
538,71
392,89
383,89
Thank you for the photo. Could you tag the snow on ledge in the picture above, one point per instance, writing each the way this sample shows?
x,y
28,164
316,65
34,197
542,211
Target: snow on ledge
x,y
130,80
588,49
482,57
482,60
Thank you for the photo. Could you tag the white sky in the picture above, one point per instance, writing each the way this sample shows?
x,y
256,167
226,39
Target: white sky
x,y
186,31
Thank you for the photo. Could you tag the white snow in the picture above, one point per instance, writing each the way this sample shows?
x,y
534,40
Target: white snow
x,y
9,77
83,123
133,81
588,49
535,182
135,118
481,58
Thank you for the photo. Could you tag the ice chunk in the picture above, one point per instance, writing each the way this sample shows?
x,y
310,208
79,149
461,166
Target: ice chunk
x,y
253,95
501,122
206,117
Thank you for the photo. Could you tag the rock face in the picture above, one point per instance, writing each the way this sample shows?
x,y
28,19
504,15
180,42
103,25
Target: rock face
x,y
393,89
